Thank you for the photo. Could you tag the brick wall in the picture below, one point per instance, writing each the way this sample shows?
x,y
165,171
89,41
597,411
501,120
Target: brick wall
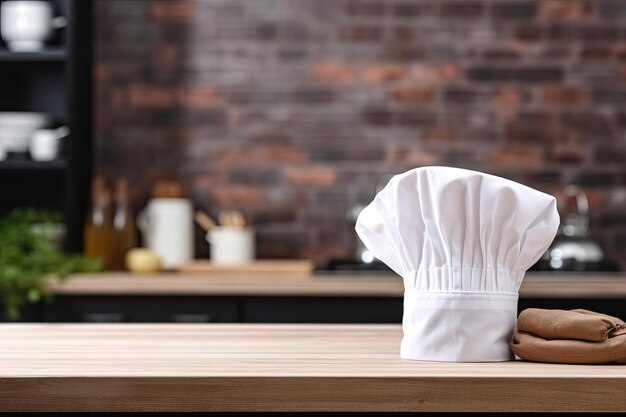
x,y
293,110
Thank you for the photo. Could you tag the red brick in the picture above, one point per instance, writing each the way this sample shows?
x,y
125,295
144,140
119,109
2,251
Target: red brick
x,y
506,97
411,8
514,9
206,181
259,155
361,33
366,8
516,156
566,153
101,73
533,134
176,135
464,9
565,9
440,134
597,54
382,73
233,117
413,95
149,96
167,55
118,97
233,195
403,33
411,156
198,97
334,72
589,32
102,117
171,10
315,176
531,32
515,73
564,96
437,74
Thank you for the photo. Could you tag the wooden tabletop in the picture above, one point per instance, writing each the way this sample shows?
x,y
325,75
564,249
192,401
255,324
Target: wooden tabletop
x,y
539,285
200,367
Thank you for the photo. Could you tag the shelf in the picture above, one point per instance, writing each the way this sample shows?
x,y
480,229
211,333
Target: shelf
x,y
29,165
49,55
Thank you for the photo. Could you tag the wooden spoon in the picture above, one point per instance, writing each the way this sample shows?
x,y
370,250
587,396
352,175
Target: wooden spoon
x,y
204,220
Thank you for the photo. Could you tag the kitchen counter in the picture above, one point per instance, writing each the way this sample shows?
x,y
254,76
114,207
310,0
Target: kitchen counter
x,y
536,285
216,367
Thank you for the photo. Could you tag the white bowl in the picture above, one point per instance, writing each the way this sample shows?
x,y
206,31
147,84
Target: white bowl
x,y
16,128
24,119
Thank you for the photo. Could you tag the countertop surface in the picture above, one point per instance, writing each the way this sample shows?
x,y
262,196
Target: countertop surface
x,y
213,367
539,285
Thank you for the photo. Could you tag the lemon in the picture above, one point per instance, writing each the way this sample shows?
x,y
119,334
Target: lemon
x,y
142,260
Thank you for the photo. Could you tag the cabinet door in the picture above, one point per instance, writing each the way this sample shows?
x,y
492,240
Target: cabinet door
x,y
30,313
142,309
322,310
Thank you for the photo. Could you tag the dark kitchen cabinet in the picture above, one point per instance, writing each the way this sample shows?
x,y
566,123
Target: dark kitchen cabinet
x,y
56,81
254,309
321,310
142,309
198,309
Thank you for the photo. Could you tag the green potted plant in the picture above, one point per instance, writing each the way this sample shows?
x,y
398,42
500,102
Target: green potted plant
x,y
29,256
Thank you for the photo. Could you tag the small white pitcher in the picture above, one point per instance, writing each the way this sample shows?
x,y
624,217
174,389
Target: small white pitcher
x,y
45,143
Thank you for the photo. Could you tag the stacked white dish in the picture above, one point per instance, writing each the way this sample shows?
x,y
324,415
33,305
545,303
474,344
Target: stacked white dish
x,y
16,129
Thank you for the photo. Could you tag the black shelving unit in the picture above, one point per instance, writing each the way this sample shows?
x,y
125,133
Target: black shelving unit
x,y
50,55
56,81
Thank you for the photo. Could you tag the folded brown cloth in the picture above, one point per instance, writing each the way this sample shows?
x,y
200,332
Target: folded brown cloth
x,y
574,336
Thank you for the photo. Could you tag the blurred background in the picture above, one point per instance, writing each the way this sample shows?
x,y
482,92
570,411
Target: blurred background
x,y
292,114
290,110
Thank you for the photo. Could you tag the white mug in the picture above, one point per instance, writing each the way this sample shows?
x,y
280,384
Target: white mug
x,y
231,245
167,227
26,25
45,143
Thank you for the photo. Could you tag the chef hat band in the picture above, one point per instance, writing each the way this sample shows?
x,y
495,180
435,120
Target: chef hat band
x,y
462,242
458,326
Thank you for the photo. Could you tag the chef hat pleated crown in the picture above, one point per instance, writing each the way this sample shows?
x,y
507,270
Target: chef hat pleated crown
x,y
462,242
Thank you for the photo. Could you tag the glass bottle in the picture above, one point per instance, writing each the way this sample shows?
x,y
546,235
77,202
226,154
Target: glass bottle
x,y
124,221
101,239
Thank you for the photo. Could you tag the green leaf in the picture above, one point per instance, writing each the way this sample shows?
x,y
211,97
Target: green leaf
x,y
26,258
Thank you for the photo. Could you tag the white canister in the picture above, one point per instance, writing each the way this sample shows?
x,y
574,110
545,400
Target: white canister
x,y
231,245
167,226
26,25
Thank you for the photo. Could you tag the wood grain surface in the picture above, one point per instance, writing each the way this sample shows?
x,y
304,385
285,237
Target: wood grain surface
x,y
344,285
288,268
200,367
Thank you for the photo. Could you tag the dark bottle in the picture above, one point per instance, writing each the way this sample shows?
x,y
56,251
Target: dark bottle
x,y
124,220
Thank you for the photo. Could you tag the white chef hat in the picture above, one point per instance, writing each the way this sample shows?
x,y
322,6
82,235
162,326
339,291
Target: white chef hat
x,y
462,241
